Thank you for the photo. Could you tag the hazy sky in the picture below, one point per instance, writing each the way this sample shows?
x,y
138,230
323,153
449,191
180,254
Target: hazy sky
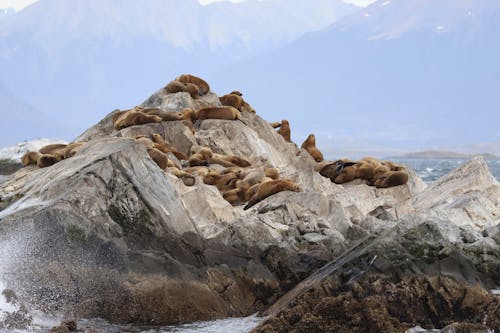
x,y
20,4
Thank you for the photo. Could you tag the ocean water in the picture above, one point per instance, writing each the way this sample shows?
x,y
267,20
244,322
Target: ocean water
x,y
432,169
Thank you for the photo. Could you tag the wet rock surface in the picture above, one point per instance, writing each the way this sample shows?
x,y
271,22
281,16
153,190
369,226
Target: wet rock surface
x,y
108,227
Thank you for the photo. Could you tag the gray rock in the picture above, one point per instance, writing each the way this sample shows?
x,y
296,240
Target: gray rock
x,y
109,215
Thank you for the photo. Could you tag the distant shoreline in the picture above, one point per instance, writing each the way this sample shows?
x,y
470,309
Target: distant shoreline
x,y
444,155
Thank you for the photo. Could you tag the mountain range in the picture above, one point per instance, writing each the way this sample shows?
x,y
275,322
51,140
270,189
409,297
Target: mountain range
x,y
400,74
396,76
78,60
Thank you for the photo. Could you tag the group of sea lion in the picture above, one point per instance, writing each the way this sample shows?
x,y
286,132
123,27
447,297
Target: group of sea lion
x,y
51,154
371,171
237,179
191,84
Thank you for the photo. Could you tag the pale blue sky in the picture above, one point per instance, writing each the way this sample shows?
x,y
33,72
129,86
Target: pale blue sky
x,y
20,4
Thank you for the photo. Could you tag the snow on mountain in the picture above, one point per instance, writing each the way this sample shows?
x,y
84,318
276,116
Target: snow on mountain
x,y
15,153
386,19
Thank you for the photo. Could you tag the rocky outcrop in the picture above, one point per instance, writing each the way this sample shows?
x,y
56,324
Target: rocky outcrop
x,y
108,227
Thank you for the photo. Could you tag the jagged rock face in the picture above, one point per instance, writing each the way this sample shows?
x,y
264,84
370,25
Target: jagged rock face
x,y
377,303
109,215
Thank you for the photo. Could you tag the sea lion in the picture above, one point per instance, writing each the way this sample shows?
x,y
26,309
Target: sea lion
x,y
164,115
174,87
220,161
222,182
200,157
332,170
188,114
211,177
186,177
253,177
232,100
46,160
71,149
243,185
391,178
131,118
284,130
221,112
310,146
202,85
235,196
30,158
235,160
365,170
235,169
146,142
160,158
52,148
272,173
275,124
236,92
193,90
348,174
269,188
201,171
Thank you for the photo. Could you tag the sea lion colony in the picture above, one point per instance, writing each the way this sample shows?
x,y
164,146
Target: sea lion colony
x,y
237,179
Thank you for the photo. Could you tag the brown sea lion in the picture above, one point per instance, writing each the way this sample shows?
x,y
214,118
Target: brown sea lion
x,y
30,158
236,92
201,171
235,196
284,130
348,174
310,146
46,160
200,157
272,173
253,177
275,124
164,115
203,86
232,100
131,118
186,177
221,112
269,188
364,170
193,90
117,115
146,142
243,185
52,148
71,149
160,158
391,178
235,160
175,87
235,169
332,170
220,161
188,114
